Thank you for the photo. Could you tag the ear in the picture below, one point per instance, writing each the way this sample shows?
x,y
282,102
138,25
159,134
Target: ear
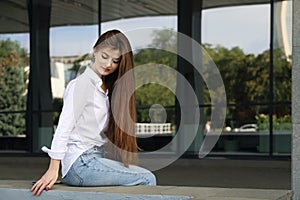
x,y
94,50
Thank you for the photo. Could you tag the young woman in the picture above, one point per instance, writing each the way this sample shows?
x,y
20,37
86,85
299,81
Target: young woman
x,y
87,124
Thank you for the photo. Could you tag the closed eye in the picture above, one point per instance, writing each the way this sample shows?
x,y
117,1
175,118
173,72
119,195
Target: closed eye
x,y
104,56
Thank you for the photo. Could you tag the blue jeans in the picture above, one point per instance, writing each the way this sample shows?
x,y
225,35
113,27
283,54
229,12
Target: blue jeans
x,y
92,169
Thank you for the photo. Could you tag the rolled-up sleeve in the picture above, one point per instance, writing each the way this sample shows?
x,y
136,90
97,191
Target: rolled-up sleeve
x,y
65,126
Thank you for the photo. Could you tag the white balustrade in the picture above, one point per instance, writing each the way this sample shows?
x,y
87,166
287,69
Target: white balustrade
x,y
153,128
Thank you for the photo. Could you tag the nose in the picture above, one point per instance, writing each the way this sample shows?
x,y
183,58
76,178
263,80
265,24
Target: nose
x,y
109,63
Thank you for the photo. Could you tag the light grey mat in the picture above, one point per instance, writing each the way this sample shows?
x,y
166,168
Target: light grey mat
x,y
24,194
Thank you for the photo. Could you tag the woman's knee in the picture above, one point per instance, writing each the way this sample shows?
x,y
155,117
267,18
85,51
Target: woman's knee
x,y
151,179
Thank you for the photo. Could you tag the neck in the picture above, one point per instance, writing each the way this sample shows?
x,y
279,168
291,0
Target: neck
x,y
93,67
103,87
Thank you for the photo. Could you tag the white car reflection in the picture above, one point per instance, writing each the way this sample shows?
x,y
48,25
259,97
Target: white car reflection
x,y
247,128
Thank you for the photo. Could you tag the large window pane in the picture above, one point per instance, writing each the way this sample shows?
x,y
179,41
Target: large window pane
x,y
282,124
239,46
252,137
14,68
155,102
73,32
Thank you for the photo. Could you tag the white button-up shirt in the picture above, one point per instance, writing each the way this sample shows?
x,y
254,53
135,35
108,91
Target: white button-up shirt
x,y
83,120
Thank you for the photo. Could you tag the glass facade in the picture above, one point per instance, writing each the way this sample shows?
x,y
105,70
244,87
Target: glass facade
x,y
14,70
282,72
252,54
257,52
70,44
239,46
154,41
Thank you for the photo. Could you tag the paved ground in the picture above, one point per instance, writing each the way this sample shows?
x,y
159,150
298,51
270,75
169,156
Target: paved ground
x,y
208,179
224,173
163,192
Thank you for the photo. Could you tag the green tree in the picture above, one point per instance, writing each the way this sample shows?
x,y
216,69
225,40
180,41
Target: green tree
x,y
246,79
232,66
158,53
257,83
13,59
165,39
245,76
282,83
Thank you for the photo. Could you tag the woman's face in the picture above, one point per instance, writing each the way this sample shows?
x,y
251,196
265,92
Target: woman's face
x,y
106,61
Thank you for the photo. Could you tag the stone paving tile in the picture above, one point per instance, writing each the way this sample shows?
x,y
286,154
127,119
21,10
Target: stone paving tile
x,y
24,194
196,193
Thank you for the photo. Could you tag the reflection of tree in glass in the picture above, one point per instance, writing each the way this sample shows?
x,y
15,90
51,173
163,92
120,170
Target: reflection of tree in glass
x,y
13,60
279,122
246,79
151,94
245,76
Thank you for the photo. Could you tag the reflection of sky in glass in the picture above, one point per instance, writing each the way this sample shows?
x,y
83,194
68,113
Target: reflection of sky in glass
x,y
144,39
244,26
22,38
289,20
72,40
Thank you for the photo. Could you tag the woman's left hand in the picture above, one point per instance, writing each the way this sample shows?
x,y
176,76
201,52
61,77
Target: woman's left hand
x,y
47,180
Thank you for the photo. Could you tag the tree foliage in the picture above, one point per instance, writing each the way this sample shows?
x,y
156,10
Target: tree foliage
x,y
247,81
246,78
165,39
159,53
13,59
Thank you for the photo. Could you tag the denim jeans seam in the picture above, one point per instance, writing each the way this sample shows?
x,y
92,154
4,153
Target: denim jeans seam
x,y
123,171
142,175
145,178
101,170
79,177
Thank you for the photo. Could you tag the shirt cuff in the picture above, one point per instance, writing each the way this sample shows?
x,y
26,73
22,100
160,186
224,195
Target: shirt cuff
x,y
57,155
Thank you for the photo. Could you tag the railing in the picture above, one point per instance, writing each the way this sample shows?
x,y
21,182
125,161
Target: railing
x,y
148,129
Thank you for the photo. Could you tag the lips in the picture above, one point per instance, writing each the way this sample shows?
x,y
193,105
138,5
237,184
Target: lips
x,y
105,69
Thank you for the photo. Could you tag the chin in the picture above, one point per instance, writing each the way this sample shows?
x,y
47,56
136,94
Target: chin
x,y
105,73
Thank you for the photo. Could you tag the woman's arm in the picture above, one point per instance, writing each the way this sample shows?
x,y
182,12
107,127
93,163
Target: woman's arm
x,y
59,143
48,179
65,126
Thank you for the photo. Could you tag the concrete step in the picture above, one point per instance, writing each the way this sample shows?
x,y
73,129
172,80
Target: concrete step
x,y
18,189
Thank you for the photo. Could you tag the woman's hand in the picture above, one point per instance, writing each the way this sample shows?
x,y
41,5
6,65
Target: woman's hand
x,y
48,179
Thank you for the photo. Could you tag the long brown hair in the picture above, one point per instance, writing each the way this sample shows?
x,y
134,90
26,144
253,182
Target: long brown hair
x,y
123,146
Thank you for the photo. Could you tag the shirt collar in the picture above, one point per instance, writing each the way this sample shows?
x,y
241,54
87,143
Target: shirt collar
x,y
96,80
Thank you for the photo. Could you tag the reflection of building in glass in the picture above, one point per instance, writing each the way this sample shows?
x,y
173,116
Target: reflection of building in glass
x,y
283,27
57,79
62,73
67,64
59,75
